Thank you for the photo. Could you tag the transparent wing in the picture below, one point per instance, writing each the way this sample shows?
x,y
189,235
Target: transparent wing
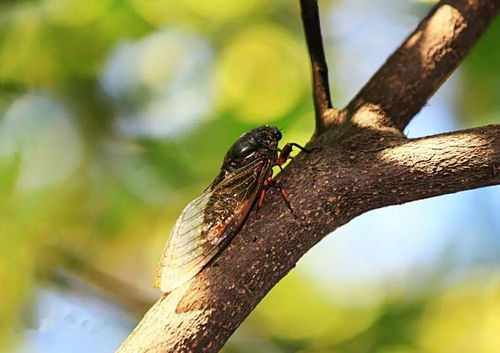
x,y
184,247
207,224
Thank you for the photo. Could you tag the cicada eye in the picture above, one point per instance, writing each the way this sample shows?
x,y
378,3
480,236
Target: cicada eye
x,y
277,135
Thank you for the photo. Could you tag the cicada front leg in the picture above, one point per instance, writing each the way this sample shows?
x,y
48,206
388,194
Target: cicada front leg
x,y
284,155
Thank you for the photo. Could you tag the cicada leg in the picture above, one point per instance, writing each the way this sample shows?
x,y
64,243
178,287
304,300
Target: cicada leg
x,y
286,150
277,184
283,157
263,193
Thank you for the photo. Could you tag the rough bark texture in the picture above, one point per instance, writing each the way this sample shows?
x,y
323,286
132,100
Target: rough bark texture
x,y
364,162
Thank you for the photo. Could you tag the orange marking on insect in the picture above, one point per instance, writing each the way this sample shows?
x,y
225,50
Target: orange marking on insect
x,y
219,229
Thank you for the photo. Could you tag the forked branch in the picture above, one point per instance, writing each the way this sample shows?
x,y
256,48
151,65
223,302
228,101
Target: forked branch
x,y
200,316
359,167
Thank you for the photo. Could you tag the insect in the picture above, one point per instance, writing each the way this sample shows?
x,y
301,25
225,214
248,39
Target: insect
x,y
210,221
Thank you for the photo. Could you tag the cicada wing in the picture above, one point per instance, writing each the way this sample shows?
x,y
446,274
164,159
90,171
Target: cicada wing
x,y
182,257
207,224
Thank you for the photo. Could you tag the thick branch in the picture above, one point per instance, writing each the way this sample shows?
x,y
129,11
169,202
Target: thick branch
x,y
359,167
321,87
327,189
403,85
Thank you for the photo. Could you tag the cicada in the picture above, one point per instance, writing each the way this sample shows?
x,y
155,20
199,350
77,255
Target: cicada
x,y
209,222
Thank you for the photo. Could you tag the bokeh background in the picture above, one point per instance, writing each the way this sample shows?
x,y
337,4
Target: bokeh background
x,y
115,113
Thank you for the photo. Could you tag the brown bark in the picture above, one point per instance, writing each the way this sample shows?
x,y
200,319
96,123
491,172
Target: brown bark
x,y
363,164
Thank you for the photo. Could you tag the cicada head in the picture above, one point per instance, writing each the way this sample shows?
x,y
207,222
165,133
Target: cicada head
x,y
257,143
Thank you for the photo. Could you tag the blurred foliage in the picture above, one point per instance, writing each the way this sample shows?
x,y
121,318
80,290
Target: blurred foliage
x,y
481,88
272,59
115,113
465,318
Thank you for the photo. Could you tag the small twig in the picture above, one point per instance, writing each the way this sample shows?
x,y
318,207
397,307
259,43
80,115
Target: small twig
x,y
321,88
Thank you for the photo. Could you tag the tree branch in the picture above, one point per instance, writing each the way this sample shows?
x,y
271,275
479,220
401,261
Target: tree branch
x,y
360,167
402,86
321,87
201,316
